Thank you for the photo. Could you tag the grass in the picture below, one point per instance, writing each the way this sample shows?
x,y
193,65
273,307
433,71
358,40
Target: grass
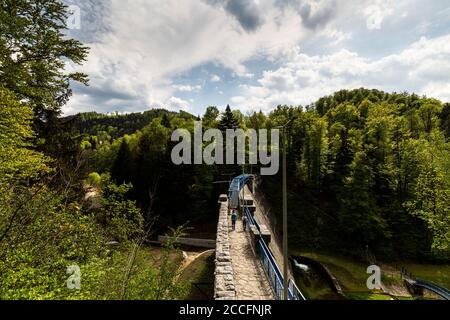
x,y
313,285
351,274
439,274
316,290
199,277
367,296
153,255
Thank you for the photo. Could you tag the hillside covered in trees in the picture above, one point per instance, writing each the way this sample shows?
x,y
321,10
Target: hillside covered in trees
x,y
366,168
85,193
369,169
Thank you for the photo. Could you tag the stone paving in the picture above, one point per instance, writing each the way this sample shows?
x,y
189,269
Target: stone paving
x,y
249,278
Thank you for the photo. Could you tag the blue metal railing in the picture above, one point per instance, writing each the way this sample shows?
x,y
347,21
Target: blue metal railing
x,y
441,291
235,189
267,259
251,219
271,267
294,292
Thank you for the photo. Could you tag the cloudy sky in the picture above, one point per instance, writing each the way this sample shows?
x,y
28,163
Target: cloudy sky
x,y
256,54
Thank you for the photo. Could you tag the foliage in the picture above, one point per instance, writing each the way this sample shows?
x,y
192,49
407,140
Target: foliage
x,y
94,180
368,169
43,231
34,51
119,217
358,164
228,120
210,117
17,159
100,128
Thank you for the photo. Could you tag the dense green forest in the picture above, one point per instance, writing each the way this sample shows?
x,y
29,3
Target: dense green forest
x,y
369,168
366,168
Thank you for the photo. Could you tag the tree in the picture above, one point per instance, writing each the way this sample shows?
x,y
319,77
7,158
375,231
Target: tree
x,y
315,151
34,52
257,120
17,159
228,120
40,234
445,119
120,218
432,197
359,215
165,121
122,168
240,118
210,117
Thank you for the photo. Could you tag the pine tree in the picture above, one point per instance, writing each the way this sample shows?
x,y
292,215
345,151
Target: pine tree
x,y
228,120
122,168
165,121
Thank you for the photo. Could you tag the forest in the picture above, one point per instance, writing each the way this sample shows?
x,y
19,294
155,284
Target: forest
x,y
366,168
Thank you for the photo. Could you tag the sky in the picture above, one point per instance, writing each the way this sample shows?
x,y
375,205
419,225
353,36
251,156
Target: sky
x,y
256,54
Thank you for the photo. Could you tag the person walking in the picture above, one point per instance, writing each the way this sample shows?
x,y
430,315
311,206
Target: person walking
x,y
244,222
233,219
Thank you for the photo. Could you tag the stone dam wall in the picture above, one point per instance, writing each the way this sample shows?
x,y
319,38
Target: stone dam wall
x,y
224,285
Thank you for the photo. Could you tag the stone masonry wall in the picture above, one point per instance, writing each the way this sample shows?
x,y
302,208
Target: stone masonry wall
x,y
224,286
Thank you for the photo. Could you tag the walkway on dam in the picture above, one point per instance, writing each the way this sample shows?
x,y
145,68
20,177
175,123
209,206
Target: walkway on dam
x,y
250,279
247,262
261,216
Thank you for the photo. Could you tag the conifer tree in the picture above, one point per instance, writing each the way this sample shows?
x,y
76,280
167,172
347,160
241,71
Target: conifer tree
x,y
228,120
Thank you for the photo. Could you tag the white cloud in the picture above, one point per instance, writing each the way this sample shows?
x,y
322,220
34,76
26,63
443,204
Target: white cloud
x,y
148,42
215,78
140,49
176,104
377,12
248,75
423,67
336,36
187,88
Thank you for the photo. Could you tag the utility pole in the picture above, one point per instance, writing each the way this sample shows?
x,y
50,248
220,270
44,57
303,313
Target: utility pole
x,y
243,202
285,236
285,215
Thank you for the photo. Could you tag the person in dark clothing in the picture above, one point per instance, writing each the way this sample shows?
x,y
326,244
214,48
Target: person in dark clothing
x,y
244,222
233,219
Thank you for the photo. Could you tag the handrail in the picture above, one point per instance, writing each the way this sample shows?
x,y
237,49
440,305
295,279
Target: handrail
x,y
294,292
441,291
271,267
235,188
267,259
252,219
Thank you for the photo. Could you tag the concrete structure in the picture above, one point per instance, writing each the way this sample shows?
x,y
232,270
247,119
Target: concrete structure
x,y
239,274
200,243
224,284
